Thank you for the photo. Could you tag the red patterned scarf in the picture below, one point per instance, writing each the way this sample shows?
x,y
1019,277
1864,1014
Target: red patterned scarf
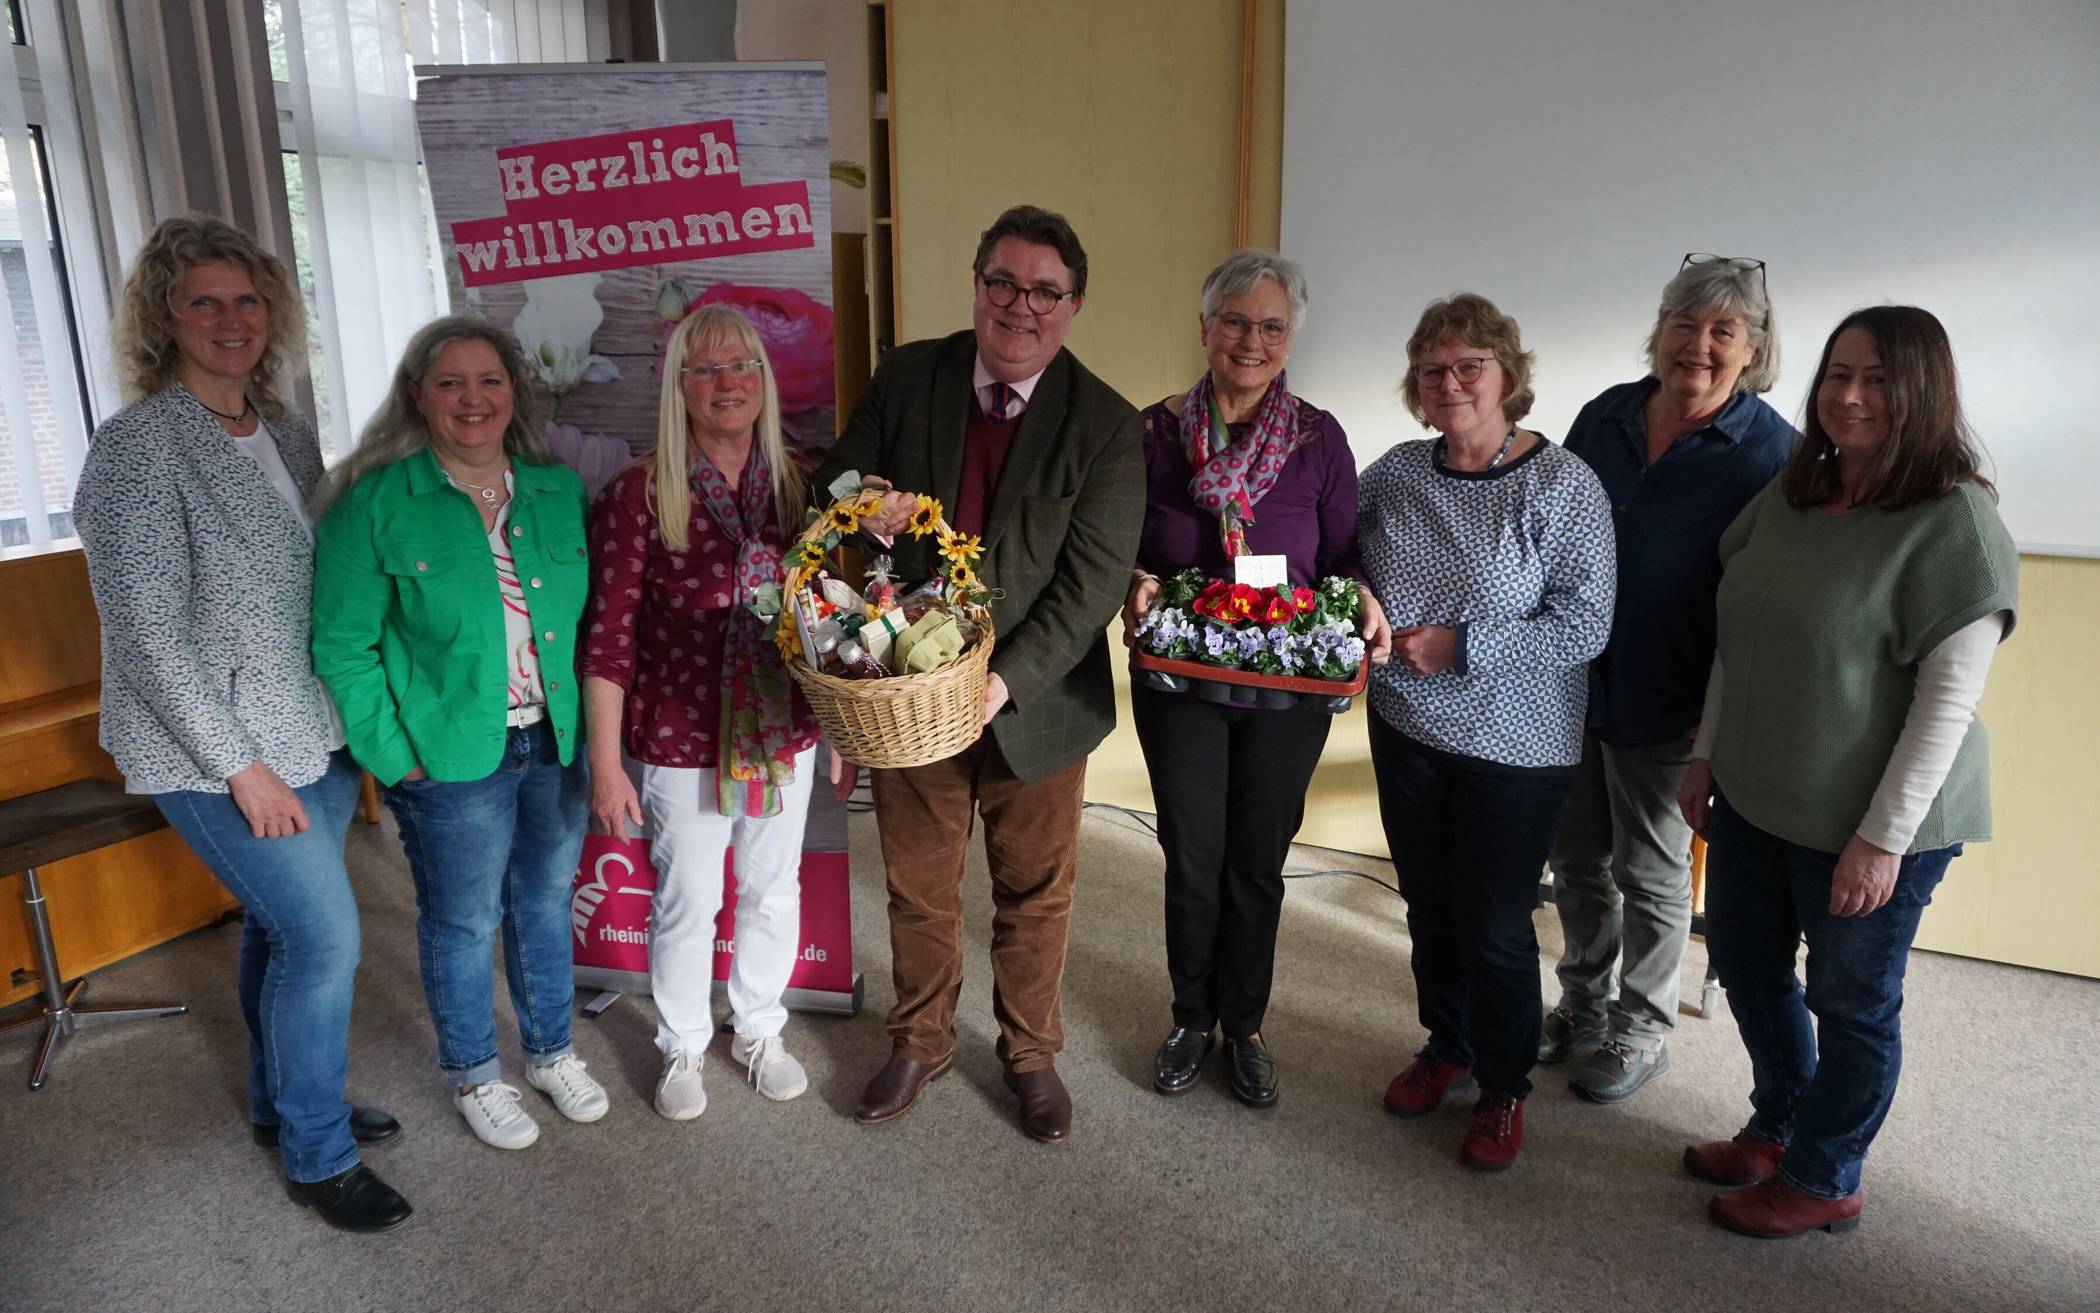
x,y
753,754
1230,477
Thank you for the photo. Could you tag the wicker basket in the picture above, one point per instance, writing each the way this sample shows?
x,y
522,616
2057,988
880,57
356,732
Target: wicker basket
x,y
905,720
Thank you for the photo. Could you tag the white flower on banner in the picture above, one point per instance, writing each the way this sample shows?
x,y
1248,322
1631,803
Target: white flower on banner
x,y
560,318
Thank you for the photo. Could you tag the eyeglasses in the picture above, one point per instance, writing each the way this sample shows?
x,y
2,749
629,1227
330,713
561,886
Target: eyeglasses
x,y
1273,331
1003,292
1465,371
735,369
1742,262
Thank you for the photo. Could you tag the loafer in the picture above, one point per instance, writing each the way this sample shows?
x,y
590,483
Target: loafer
x,y
1046,1109
1744,1160
354,1200
368,1126
1563,1034
1617,1070
1175,1066
1774,1210
896,1087
1252,1070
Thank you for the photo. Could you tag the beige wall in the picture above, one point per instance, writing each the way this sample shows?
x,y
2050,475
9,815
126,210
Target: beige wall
x,y
1136,138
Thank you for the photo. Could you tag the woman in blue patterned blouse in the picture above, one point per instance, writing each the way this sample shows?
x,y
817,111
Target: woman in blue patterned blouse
x,y
1491,551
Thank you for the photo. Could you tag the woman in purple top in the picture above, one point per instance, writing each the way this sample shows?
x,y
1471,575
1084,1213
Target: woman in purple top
x,y
1236,467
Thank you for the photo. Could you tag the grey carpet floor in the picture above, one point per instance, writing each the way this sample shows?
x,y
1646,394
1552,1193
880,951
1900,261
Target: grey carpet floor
x,y
129,1182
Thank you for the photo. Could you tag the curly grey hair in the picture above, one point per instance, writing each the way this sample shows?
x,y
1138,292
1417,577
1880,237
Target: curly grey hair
x,y
1243,269
1719,285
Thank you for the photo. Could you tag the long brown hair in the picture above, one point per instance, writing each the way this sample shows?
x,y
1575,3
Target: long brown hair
x,y
398,430
1930,447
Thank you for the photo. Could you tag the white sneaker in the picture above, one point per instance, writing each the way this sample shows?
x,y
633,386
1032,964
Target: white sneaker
x,y
679,1094
492,1112
771,1071
576,1096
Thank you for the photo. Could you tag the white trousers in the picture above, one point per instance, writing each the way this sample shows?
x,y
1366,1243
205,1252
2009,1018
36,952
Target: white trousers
x,y
688,838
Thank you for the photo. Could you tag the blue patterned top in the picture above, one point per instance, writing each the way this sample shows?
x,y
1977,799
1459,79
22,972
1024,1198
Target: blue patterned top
x,y
1520,561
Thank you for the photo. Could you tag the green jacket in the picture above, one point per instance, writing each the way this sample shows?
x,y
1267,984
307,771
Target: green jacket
x,y
408,623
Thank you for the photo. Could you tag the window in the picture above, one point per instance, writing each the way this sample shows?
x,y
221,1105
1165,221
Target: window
x,y
46,401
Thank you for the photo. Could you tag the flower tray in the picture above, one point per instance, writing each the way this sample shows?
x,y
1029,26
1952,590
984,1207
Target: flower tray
x,y
1172,676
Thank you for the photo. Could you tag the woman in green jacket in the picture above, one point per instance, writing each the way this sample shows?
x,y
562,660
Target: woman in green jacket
x,y
1840,765
449,582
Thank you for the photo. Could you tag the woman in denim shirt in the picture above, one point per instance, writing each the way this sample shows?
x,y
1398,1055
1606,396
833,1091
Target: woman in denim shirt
x,y
449,583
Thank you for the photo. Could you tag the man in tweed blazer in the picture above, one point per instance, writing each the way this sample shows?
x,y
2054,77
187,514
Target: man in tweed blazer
x,y
1020,443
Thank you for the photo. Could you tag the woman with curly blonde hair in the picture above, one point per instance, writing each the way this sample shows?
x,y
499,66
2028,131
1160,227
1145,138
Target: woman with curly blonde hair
x,y
192,508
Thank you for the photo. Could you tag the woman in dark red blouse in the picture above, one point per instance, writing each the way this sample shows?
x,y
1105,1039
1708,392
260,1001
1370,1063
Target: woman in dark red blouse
x,y
697,734
1236,467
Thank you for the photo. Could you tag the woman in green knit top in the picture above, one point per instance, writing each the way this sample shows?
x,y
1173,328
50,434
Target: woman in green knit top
x,y
1840,765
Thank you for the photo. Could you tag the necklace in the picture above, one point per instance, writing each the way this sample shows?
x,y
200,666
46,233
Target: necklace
x,y
1444,452
487,494
247,408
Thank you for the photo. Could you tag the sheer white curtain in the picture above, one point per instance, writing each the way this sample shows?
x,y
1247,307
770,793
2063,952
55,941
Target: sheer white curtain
x,y
370,239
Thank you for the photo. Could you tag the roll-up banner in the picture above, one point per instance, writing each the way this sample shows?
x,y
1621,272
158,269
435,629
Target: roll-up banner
x,y
587,208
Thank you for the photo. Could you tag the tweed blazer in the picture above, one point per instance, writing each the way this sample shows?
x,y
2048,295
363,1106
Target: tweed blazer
x,y
1060,532
204,580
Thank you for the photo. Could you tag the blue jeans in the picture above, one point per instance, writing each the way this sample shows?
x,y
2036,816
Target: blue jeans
x,y
1821,1091
298,960
489,855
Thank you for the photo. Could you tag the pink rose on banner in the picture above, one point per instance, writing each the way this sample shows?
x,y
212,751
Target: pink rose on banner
x,y
797,332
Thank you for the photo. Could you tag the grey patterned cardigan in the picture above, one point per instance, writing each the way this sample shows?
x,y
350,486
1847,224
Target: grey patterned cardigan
x,y
204,580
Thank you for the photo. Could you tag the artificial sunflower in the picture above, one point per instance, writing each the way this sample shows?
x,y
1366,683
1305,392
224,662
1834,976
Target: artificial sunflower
x,y
961,548
925,516
786,639
810,554
844,517
869,503
962,578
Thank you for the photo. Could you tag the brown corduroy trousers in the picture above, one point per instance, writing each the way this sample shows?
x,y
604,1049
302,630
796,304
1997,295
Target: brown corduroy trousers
x,y
1031,841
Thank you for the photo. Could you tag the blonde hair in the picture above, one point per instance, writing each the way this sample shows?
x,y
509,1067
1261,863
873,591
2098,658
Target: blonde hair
x,y
397,430
670,488
142,335
1472,320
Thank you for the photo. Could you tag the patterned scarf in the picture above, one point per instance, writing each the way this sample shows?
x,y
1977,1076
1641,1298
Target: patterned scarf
x,y
1232,476
753,758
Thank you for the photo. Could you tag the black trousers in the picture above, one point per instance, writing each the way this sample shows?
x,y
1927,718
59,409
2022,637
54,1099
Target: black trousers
x,y
1469,840
1229,783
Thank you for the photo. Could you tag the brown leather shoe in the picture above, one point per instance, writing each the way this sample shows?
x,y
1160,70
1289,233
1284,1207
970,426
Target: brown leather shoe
x,y
1046,1110
1774,1210
896,1087
1744,1160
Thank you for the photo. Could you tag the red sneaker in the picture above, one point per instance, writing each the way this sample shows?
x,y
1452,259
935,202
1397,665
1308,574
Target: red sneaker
x,y
1497,1133
1421,1087
1774,1210
1745,1160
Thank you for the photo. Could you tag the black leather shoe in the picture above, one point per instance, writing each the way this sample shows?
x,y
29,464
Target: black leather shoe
x,y
1252,1070
1174,1068
367,1126
354,1200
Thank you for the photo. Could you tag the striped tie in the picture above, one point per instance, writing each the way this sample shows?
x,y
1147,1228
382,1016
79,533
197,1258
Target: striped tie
x,y
1005,401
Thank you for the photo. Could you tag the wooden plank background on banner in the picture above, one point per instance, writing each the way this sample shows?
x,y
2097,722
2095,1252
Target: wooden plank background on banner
x,y
783,134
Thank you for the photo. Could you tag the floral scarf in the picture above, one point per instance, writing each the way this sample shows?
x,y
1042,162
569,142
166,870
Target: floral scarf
x,y
754,755
1232,476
